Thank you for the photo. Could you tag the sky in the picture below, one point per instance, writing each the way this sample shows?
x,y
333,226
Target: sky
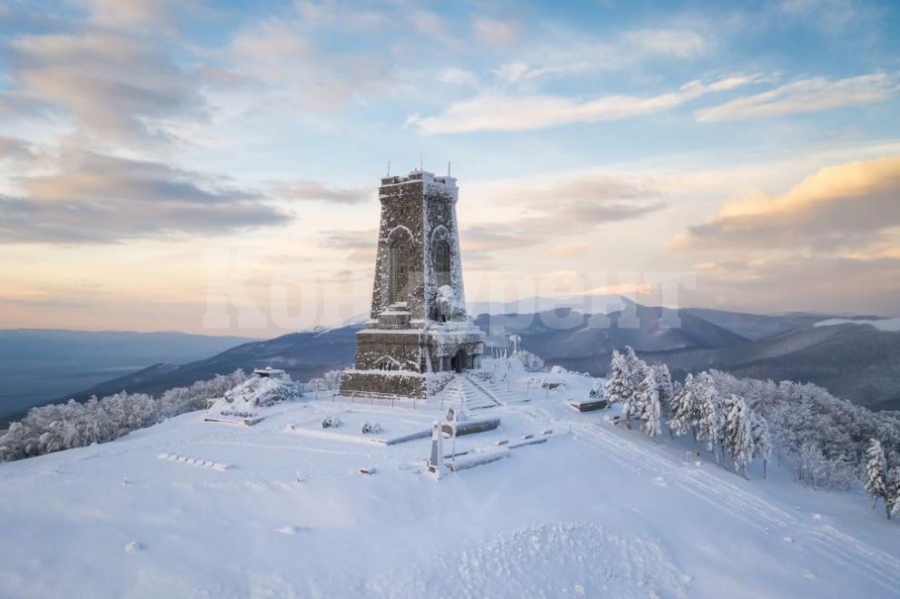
x,y
212,167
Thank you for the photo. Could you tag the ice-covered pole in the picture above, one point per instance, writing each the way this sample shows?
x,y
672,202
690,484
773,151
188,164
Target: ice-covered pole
x,y
436,462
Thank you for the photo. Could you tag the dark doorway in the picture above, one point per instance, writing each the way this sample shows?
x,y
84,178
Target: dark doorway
x,y
458,362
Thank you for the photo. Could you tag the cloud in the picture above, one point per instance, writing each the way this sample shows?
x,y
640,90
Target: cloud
x,y
561,209
349,240
13,149
285,56
94,198
565,53
307,190
837,208
806,95
498,33
828,15
115,87
569,250
427,22
678,43
134,13
362,244
823,284
457,76
497,112
339,15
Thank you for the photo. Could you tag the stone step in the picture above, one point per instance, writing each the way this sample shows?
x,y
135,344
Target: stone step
x,y
472,395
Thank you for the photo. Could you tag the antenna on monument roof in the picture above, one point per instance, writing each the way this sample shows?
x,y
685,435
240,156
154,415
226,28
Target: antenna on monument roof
x,y
389,169
421,163
448,168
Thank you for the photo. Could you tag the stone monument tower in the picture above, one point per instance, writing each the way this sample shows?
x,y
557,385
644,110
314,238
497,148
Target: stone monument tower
x,y
418,325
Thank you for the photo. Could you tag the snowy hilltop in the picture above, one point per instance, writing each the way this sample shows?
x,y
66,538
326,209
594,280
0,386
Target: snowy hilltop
x,y
332,498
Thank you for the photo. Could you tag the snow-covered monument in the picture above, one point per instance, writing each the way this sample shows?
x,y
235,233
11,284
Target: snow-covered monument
x,y
418,325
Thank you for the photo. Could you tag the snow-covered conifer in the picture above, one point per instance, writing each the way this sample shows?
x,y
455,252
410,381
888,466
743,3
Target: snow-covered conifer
x,y
876,475
618,382
893,491
665,385
737,433
645,404
635,367
626,373
762,441
709,414
684,413
634,405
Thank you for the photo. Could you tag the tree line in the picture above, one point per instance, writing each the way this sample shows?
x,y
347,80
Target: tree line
x,y
723,422
56,427
826,442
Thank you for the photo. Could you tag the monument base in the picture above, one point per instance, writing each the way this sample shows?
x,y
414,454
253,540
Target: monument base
x,y
374,383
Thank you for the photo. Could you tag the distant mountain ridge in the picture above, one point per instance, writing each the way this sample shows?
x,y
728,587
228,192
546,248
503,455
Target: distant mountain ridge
x,y
39,365
856,361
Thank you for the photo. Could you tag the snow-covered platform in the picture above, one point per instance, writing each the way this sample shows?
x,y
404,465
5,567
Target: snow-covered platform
x,y
596,511
390,428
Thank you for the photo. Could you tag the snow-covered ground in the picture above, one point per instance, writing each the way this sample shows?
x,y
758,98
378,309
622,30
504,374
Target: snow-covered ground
x,y
190,508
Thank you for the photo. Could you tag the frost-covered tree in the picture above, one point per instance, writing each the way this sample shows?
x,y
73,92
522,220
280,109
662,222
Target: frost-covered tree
x,y
635,367
332,379
618,382
532,362
876,476
666,387
645,404
684,412
709,414
515,340
813,468
893,490
57,427
737,432
626,373
762,441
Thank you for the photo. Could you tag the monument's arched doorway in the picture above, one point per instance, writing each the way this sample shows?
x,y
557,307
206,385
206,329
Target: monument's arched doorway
x,y
459,362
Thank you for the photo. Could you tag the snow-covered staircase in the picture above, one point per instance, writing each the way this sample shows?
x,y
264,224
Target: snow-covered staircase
x,y
472,393
481,396
502,393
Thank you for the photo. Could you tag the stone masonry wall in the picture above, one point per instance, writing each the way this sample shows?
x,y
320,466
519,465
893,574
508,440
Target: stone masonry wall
x,y
401,215
373,345
391,383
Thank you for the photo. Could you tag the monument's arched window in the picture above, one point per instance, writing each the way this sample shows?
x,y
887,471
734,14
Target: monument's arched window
x,y
399,271
442,262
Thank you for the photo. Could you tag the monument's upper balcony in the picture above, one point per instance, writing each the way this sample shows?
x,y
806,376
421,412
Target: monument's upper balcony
x,y
417,176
